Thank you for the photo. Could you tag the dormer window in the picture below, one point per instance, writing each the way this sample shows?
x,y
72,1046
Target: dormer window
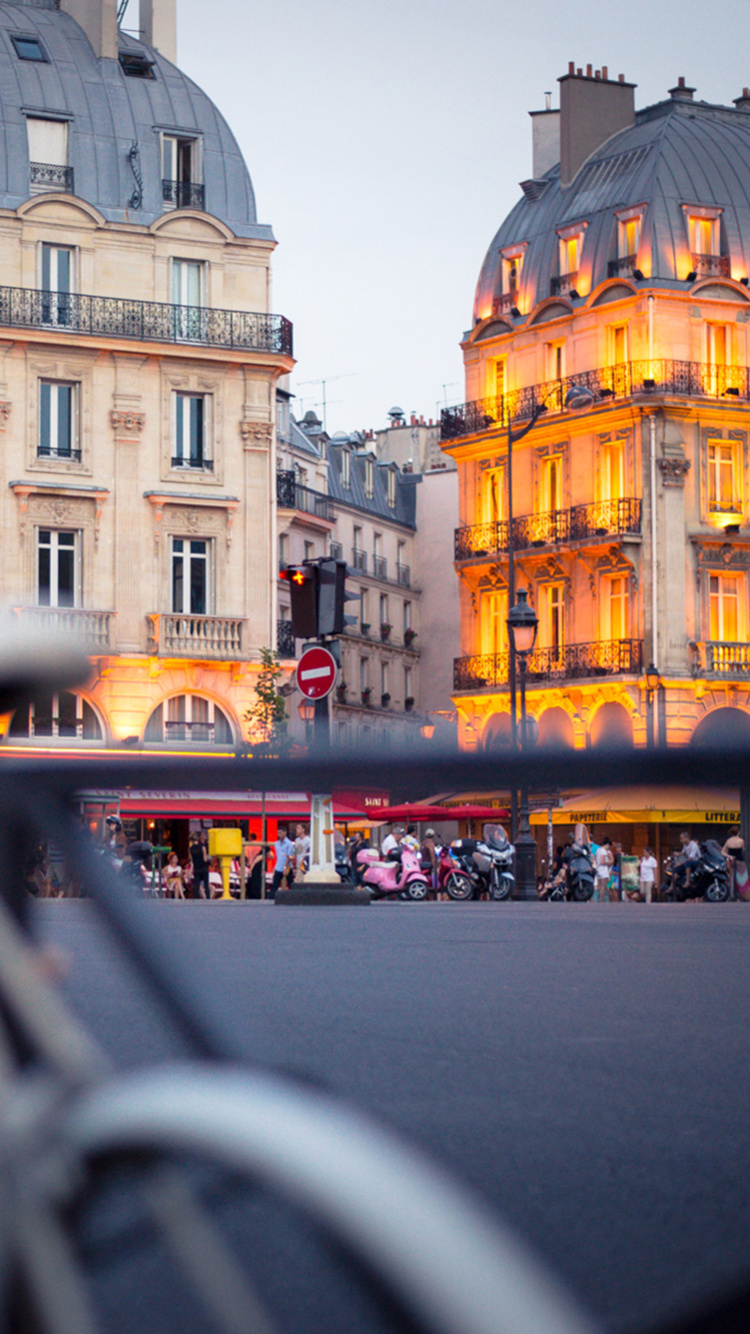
x,y
569,246
392,487
704,240
30,48
136,66
369,478
181,172
511,264
48,156
346,468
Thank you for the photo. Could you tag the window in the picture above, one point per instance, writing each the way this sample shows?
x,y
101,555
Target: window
x,y
363,674
554,618
58,424
181,172
384,678
309,550
613,470
191,584
407,616
346,473
48,155
392,488
58,568
493,628
189,293
56,283
570,247
136,66
724,608
190,432
384,609
554,361
724,477
617,337
56,714
283,550
704,235
29,48
616,607
551,491
369,478
496,377
364,619
512,266
493,495
628,237
189,718
718,344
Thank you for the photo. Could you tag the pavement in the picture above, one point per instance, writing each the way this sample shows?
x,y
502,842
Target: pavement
x,y
583,1067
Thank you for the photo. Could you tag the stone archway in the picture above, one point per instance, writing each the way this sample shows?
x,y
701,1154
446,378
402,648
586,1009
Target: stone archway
x,y
612,725
496,734
723,727
556,728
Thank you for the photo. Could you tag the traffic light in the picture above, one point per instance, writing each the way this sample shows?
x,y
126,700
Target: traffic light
x,y
303,587
332,598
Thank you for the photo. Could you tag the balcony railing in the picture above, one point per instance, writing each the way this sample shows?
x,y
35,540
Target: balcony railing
x,y
715,658
51,176
184,194
628,379
146,321
70,455
93,628
359,560
564,284
602,518
185,636
710,266
337,551
291,495
502,305
285,641
573,662
622,267
403,575
198,465
380,567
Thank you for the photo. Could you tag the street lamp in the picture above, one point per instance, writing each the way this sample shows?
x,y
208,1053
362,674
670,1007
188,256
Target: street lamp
x,y
522,628
653,681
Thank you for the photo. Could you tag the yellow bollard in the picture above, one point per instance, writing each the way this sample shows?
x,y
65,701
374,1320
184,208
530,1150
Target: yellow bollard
x,y
225,844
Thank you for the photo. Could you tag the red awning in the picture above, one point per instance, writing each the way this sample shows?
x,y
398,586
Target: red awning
x,y
419,813
222,805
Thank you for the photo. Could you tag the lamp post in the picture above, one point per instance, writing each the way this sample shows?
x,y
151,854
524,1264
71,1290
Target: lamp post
x,y
653,681
522,628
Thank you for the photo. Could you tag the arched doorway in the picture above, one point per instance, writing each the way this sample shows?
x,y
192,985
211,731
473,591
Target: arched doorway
x,y
723,727
556,728
612,725
497,732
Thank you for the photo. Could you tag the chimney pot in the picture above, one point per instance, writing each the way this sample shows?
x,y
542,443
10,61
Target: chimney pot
x,y
571,67
597,74
621,78
589,69
579,72
681,81
605,73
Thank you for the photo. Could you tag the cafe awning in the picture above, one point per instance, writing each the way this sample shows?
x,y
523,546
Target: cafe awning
x,y
223,805
638,805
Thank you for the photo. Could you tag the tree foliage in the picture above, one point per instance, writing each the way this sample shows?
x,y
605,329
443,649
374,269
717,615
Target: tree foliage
x,y
267,717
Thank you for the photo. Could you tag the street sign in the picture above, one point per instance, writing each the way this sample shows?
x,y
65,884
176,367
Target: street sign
x,y
316,673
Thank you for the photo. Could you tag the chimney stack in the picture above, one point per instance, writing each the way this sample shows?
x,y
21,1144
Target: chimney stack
x,y
159,26
592,109
98,18
743,103
681,93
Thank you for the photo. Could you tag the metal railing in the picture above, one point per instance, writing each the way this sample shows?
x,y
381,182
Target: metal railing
x,y
94,628
184,194
291,495
627,379
147,321
403,575
571,662
359,560
565,283
622,267
337,551
503,304
52,175
380,567
601,518
71,455
195,636
199,465
710,266
721,658
285,641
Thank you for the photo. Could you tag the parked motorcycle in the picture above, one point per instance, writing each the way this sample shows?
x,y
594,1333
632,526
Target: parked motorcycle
x,y
487,862
580,874
451,879
708,880
398,874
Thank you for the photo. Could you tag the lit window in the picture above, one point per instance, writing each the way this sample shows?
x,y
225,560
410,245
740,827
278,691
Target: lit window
x,y
724,477
190,432
58,568
189,718
58,420
496,381
628,237
570,249
554,627
191,582
554,361
493,495
29,48
613,470
512,266
57,714
704,235
724,608
616,607
551,489
617,336
493,628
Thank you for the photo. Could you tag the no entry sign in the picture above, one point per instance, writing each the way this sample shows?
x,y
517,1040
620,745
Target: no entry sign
x,y
316,673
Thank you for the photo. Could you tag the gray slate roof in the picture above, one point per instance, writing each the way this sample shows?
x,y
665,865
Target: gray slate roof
x,y
405,510
678,152
107,111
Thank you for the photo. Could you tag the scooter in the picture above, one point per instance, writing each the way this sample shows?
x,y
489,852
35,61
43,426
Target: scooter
x,y
487,862
451,880
708,880
399,874
580,874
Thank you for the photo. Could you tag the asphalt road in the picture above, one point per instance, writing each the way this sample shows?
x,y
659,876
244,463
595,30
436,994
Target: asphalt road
x,y
585,1068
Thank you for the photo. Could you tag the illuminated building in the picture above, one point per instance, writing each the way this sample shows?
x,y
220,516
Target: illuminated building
x,y
138,364
624,270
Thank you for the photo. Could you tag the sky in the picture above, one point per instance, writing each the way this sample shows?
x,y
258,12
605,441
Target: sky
x,y
385,142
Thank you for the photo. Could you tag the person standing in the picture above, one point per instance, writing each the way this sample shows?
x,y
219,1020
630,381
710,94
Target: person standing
x,y
734,850
603,862
200,860
301,851
284,850
647,875
429,857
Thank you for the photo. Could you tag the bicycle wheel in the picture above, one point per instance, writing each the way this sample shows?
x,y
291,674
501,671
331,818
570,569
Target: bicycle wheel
x,y
429,1252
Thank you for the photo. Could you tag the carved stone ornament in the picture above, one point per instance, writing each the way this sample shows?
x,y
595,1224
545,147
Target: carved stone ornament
x,y
673,471
4,413
256,431
127,423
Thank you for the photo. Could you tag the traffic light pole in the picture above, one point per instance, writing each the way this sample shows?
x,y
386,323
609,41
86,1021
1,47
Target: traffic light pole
x,y
321,729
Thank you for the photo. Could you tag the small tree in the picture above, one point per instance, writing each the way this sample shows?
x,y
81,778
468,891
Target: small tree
x,y
266,718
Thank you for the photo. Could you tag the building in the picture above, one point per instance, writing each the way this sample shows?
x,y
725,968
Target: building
x,y
137,382
623,272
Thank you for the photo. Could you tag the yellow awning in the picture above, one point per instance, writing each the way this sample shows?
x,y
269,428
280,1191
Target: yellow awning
x,y
638,805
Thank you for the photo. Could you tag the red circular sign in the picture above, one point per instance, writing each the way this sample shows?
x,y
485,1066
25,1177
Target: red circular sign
x,y
316,673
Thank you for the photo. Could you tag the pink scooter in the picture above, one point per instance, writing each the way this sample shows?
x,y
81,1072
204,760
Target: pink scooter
x,y
400,873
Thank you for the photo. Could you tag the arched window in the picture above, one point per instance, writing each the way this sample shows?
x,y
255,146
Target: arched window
x,y
189,718
56,715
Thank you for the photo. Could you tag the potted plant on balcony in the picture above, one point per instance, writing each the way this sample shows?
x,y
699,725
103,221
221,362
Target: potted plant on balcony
x,y
365,627
341,690
409,637
385,630
385,700
366,694
409,703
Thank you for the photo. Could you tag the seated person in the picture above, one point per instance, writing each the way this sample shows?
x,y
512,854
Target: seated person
x,y
172,878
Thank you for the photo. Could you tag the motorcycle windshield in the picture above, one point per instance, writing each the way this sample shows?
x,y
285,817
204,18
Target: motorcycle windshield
x,y
495,836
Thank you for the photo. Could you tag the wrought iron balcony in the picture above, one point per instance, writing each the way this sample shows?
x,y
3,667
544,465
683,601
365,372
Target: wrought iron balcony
x,y
146,321
285,641
69,455
717,658
93,628
564,284
380,567
504,304
573,662
359,560
185,636
403,575
601,518
337,551
198,465
628,379
291,495
184,194
51,176
710,266
622,267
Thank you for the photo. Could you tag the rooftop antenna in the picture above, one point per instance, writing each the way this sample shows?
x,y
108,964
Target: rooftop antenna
x,y
329,380
121,11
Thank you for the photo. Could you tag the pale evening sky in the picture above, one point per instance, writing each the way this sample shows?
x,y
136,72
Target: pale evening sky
x,y
386,142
